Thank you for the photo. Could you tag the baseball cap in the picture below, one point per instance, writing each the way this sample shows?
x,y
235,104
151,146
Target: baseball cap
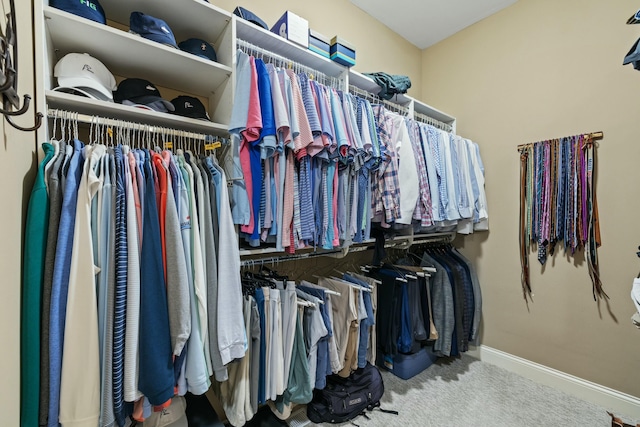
x,y
199,48
188,106
143,93
250,16
633,56
172,416
635,18
84,74
89,9
151,28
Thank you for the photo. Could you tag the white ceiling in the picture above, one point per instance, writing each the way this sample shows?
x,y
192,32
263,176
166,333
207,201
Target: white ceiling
x,y
426,22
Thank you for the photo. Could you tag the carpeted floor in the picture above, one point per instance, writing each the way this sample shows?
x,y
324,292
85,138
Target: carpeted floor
x,y
467,392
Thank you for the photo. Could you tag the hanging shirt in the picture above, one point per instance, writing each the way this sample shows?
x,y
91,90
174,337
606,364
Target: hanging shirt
x,y
80,394
33,272
132,329
305,136
55,202
238,122
432,175
449,175
386,191
250,135
341,138
156,377
308,97
232,340
60,284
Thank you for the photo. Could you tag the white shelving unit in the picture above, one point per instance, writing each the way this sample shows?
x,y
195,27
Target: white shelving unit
x,y
129,55
258,36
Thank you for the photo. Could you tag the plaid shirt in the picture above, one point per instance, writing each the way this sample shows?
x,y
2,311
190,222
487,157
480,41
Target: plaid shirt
x,y
386,189
423,205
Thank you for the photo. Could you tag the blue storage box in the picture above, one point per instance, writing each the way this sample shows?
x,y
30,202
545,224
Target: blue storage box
x,y
293,28
342,52
406,366
319,43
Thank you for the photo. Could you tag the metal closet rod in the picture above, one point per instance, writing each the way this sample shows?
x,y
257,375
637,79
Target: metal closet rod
x,y
413,240
433,122
124,124
377,100
279,60
592,136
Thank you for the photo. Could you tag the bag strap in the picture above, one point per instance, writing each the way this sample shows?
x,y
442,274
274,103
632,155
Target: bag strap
x,y
377,405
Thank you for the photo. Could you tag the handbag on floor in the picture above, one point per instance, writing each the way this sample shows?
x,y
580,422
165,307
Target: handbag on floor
x,y
343,399
617,422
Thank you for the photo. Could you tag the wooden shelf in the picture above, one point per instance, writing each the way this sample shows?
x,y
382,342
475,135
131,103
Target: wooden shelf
x,y
65,101
129,55
267,40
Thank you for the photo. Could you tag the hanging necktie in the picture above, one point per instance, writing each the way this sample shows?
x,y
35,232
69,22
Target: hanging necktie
x,y
553,171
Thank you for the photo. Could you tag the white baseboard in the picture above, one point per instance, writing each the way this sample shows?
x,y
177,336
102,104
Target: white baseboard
x,y
619,403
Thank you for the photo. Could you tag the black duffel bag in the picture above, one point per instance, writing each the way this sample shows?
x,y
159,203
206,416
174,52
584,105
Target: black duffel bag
x,y
343,399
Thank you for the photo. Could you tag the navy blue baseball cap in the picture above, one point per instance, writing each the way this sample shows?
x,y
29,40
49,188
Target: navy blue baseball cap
x,y
250,16
141,93
89,9
198,47
151,28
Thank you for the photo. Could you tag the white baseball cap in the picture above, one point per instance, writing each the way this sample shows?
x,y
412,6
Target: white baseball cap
x,y
81,72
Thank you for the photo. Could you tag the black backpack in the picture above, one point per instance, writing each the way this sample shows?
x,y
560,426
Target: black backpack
x,y
343,399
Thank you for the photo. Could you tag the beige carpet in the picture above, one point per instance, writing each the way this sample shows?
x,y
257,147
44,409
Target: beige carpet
x,y
466,392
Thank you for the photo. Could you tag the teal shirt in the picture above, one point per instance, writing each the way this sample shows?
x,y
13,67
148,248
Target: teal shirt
x,y
35,242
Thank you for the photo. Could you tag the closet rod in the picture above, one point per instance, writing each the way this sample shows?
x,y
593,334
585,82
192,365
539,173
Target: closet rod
x,y
98,120
445,237
283,62
400,109
593,136
433,122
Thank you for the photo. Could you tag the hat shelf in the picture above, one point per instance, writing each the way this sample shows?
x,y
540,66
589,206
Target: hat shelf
x,y
129,55
186,18
65,101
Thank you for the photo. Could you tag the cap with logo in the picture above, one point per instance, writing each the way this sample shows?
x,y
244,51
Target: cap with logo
x,y
172,416
89,9
83,74
151,28
141,93
188,106
198,47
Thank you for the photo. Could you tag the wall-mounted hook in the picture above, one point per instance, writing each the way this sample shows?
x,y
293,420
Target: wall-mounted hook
x,y
38,123
21,111
9,87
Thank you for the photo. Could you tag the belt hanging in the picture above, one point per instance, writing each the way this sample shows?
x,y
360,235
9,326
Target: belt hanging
x,y
593,235
524,238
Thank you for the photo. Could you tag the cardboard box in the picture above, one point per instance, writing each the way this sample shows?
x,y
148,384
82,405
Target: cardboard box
x,y
293,28
319,44
342,52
